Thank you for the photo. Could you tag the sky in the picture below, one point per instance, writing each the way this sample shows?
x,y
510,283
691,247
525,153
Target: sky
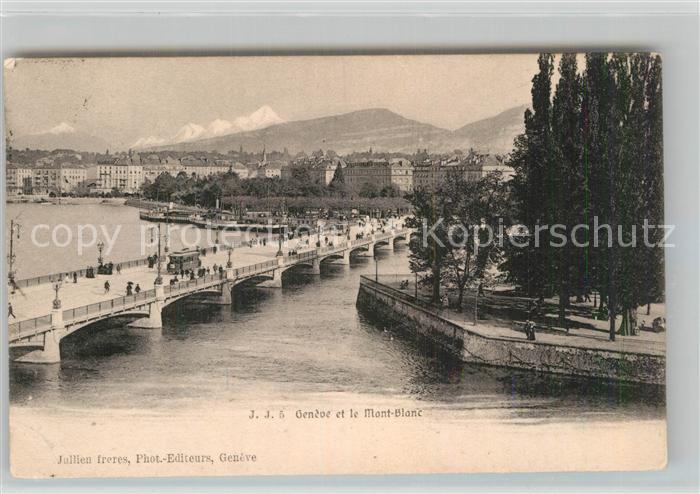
x,y
122,100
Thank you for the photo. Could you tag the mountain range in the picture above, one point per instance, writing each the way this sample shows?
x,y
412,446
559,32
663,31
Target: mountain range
x,y
376,128
260,118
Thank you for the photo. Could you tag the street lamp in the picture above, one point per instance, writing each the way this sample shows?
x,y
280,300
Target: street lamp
x,y
283,230
56,287
159,278
11,255
229,264
100,248
376,267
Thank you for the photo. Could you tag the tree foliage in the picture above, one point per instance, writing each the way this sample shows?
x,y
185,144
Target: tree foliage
x,y
591,155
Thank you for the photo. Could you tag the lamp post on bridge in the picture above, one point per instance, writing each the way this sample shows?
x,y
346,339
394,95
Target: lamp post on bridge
x,y
56,287
229,264
159,261
282,231
100,248
11,255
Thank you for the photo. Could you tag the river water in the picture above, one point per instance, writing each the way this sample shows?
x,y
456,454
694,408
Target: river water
x,y
304,343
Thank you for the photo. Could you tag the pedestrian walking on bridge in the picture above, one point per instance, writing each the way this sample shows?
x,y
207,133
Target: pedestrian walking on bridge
x,y
106,286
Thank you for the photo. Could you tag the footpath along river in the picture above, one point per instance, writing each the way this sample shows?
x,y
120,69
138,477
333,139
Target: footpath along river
x,y
303,344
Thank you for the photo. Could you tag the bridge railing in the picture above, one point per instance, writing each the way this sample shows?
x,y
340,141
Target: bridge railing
x,y
300,257
407,294
35,324
80,273
188,285
332,248
108,306
255,268
359,241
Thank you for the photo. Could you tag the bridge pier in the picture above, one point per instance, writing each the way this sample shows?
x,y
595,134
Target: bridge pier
x,y
346,258
316,266
51,353
275,282
155,311
226,297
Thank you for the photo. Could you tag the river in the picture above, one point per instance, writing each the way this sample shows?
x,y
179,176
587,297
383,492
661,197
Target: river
x,y
304,343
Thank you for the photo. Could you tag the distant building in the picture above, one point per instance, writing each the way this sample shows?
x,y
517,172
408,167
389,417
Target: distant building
x,y
18,180
358,174
496,164
471,168
402,174
241,170
324,171
122,174
273,171
203,167
46,179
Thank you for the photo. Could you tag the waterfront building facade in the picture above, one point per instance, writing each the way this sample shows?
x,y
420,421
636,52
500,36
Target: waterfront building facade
x,y
121,174
402,174
361,173
18,180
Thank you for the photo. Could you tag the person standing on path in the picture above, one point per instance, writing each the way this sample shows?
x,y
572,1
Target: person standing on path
x,y
106,287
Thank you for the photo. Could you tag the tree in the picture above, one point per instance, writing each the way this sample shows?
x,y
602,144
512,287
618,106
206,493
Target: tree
x,y
369,189
427,245
533,189
337,184
473,225
456,231
597,153
389,191
595,120
566,176
653,199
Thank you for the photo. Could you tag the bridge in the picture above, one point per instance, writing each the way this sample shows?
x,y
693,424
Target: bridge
x,y
42,335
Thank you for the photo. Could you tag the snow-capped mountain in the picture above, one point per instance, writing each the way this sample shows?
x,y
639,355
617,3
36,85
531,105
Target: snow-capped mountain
x,y
62,128
261,118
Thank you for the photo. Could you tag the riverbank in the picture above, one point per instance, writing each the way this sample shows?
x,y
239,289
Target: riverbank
x,y
580,352
66,201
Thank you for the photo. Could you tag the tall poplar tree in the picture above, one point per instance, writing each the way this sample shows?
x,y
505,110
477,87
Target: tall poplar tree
x,y
529,266
568,177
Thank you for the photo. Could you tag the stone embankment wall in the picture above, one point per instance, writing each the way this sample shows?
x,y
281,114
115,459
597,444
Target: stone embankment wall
x,y
387,304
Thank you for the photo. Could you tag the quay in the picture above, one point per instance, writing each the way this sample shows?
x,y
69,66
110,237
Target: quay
x,y
582,352
39,329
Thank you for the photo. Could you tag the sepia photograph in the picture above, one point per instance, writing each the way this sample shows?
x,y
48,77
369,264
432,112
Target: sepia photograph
x,y
335,264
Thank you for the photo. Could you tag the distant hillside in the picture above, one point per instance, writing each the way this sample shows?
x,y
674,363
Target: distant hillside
x,y
378,128
356,131
493,135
